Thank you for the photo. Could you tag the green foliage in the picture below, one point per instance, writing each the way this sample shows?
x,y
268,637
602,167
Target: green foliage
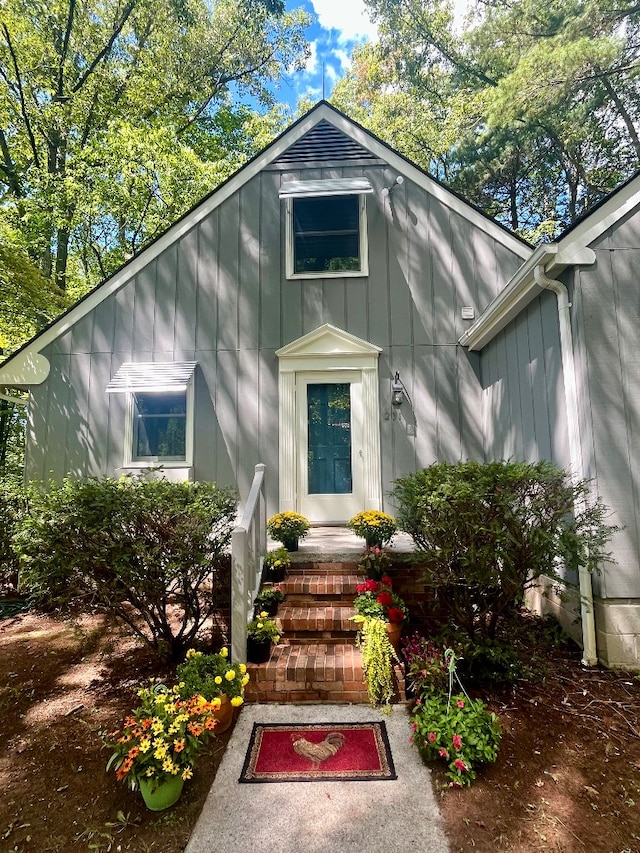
x,y
145,552
262,628
457,730
13,507
378,656
489,531
211,676
269,595
529,109
426,669
374,563
115,117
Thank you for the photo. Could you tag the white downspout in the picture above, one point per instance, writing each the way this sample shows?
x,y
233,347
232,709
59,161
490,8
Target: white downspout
x,y
589,653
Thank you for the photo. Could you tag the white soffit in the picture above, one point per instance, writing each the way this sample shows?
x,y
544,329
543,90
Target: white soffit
x,y
330,186
170,376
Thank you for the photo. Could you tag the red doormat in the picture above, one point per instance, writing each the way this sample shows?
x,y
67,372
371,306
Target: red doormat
x,y
320,752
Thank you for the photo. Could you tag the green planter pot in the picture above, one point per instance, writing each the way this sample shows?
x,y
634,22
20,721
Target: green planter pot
x,y
164,795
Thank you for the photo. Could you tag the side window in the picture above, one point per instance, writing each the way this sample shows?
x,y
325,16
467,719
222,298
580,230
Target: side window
x,y
326,236
159,427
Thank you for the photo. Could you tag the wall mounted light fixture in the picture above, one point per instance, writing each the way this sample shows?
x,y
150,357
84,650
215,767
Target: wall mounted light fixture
x,y
399,181
397,390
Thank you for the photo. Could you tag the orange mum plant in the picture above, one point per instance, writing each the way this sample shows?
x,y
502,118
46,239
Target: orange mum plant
x,y
161,739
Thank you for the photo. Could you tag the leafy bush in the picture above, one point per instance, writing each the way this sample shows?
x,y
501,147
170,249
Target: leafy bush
x,y
143,551
13,506
489,531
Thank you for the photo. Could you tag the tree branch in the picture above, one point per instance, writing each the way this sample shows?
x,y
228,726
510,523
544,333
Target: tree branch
x,y
23,106
106,50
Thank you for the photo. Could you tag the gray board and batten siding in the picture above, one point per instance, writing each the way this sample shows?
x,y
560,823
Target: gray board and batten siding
x,y
219,296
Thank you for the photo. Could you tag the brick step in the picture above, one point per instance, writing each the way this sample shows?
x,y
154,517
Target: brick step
x,y
325,587
322,569
314,672
303,619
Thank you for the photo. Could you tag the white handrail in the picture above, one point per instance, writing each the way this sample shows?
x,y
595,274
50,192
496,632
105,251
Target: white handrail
x,y
248,547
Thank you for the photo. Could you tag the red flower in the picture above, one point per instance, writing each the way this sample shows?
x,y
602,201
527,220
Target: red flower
x,y
371,586
443,753
361,587
460,765
386,581
395,615
457,742
460,703
433,737
385,598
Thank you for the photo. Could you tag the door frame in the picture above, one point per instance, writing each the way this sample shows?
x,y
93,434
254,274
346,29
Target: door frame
x,y
328,351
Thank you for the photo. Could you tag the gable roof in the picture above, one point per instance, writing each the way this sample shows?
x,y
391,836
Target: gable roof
x,y
324,129
571,248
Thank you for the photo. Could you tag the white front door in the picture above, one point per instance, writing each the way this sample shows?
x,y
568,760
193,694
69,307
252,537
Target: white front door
x,y
329,445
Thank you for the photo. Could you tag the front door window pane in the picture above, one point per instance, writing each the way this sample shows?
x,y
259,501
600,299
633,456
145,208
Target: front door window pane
x,y
329,445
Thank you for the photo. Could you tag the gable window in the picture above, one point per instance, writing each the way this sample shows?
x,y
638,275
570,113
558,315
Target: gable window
x,y
326,227
159,425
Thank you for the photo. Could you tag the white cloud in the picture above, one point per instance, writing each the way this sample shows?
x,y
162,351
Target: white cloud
x,y
344,59
312,63
349,17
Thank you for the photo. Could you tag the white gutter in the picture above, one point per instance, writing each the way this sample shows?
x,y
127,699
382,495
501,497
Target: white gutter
x,y
589,653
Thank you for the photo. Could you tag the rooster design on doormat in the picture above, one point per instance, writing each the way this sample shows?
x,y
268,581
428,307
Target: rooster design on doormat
x,y
318,752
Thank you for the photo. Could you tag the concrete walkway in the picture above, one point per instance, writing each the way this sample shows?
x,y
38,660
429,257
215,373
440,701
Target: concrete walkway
x,y
321,817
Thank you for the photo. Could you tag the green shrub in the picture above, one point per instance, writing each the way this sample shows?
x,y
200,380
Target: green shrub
x,y
142,551
489,531
13,506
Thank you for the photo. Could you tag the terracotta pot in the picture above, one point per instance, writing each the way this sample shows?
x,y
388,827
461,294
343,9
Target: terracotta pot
x,y
394,631
258,651
225,715
164,795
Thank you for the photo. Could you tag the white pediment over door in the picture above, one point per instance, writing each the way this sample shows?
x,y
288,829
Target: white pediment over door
x,y
329,357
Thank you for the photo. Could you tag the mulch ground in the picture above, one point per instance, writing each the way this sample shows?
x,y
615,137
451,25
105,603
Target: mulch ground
x,y
567,777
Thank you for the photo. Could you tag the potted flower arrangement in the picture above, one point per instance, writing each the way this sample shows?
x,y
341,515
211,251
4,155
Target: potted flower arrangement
x,y
288,527
374,563
275,565
377,600
213,677
373,526
261,632
156,749
268,599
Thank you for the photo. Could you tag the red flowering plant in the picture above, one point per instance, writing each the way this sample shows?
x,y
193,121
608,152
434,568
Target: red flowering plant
x,y
162,737
376,599
455,729
426,669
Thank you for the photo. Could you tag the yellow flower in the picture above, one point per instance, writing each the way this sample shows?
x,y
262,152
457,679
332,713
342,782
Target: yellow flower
x,y
161,699
216,703
264,614
150,771
242,668
161,752
260,625
224,651
145,744
187,773
236,701
173,728
218,679
245,680
157,726
230,675
192,653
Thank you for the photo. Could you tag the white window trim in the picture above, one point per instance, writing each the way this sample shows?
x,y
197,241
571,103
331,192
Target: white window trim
x,y
364,243
154,462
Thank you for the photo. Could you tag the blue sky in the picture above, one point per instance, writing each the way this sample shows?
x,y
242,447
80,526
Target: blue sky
x,y
339,25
